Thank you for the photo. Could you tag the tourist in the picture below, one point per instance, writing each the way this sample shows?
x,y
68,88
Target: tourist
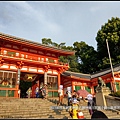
x,y
75,93
69,97
29,92
40,93
73,109
37,92
91,103
60,94
74,98
44,89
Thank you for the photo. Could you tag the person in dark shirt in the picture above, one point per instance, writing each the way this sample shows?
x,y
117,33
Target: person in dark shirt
x,y
99,115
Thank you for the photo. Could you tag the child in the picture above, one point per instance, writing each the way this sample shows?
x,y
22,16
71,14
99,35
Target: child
x,y
73,109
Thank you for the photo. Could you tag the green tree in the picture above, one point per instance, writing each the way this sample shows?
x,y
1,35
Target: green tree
x,y
111,32
46,41
72,60
87,57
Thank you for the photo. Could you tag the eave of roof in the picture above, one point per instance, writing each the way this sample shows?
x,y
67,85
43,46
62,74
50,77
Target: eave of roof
x,y
105,71
80,75
35,44
94,75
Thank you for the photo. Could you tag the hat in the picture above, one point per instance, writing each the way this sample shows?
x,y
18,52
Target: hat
x,y
75,101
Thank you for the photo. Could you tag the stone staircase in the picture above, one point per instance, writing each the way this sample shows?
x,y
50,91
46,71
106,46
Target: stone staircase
x,y
110,113
37,108
30,108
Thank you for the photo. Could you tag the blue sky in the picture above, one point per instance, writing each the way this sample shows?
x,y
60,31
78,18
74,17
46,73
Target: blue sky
x,y
61,21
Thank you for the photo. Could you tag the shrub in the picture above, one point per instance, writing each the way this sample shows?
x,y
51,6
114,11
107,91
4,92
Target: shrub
x,y
115,94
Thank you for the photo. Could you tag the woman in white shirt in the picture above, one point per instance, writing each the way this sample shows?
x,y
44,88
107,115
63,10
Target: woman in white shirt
x,y
60,94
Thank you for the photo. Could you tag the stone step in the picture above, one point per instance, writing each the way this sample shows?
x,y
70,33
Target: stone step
x,y
20,112
30,104
26,112
28,108
25,107
27,115
26,102
34,116
39,108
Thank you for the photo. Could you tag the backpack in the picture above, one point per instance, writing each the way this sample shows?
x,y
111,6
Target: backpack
x,y
80,115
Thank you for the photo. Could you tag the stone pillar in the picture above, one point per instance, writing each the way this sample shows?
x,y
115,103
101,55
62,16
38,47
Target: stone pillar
x,y
100,95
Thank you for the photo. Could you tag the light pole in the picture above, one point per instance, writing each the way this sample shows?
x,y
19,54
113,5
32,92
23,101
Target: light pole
x,y
111,65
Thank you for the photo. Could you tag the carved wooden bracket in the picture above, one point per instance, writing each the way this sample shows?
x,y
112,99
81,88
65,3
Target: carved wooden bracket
x,y
19,64
46,68
61,69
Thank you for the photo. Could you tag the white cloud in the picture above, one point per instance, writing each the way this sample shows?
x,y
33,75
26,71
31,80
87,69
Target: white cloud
x,y
61,21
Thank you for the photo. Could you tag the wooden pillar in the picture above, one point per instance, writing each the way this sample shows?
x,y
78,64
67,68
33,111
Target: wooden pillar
x,y
73,86
19,66
45,73
45,77
18,83
58,80
92,90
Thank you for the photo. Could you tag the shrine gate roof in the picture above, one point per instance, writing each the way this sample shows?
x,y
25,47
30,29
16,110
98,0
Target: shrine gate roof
x,y
38,45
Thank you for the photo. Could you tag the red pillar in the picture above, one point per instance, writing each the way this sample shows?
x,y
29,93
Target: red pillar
x,y
72,86
33,89
58,80
92,90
